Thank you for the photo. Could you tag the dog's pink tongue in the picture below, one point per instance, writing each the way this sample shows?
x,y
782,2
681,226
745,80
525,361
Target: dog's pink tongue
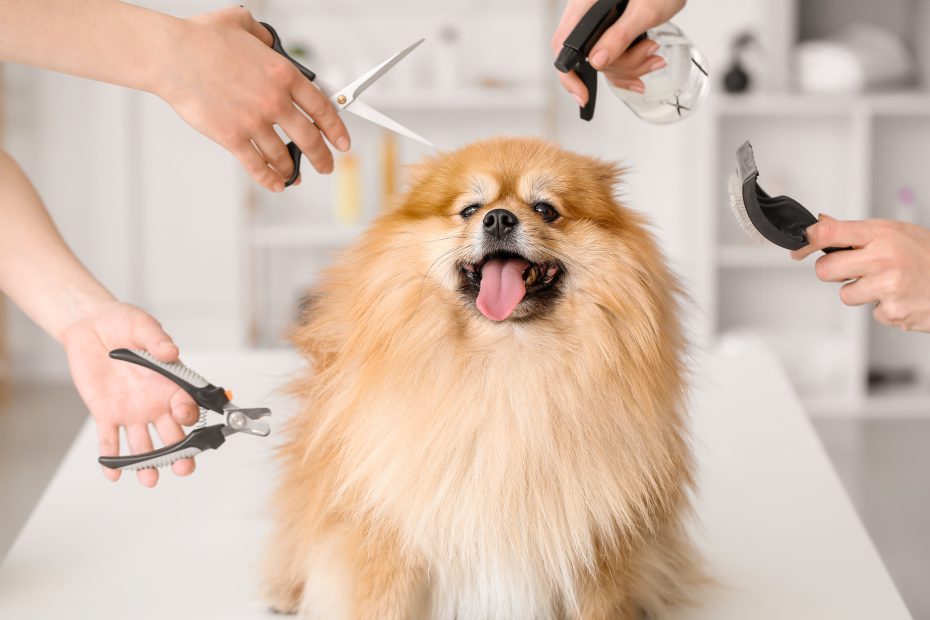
x,y
502,287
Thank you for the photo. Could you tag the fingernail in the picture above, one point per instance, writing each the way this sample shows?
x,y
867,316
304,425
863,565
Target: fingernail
x,y
636,88
578,99
658,65
342,144
278,187
653,47
599,59
167,343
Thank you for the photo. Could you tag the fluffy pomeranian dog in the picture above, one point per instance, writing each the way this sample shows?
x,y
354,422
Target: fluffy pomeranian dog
x,y
492,424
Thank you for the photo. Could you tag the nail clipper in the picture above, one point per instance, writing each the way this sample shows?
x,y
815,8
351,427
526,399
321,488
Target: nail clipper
x,y
208,397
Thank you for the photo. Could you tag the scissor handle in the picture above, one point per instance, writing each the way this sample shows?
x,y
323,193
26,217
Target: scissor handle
x,y
204,393
278,47
292,149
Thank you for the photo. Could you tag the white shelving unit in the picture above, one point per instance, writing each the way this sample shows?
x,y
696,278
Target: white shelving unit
x,y
282,236
845,156
464,99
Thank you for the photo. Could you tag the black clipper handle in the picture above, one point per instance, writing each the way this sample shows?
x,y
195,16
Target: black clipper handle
x,y
292,148
202,439
578,44
207,395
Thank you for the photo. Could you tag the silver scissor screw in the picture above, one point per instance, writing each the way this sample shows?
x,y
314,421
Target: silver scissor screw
x,y
237,420
341,99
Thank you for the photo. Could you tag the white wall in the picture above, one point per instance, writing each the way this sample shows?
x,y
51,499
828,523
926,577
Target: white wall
x,y
154,209
149,206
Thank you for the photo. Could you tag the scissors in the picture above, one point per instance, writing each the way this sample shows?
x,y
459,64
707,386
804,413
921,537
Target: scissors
x,y
347,98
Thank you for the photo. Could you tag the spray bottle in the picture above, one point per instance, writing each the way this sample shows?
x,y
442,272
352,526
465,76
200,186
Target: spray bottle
x,y
671,93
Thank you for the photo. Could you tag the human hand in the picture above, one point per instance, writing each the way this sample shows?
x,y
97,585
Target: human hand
x,y
612,54
224,80
889,267
121,395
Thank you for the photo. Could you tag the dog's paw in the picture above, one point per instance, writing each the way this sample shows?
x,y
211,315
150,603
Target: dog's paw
x,y
283,610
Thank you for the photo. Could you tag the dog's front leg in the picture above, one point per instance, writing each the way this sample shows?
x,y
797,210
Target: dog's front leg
x,y
606,594
353,576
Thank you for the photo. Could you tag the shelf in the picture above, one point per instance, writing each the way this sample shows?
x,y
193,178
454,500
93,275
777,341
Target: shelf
x,y
900,104
749,257
786,104
511,98
331,236
830,406
909,400
911,103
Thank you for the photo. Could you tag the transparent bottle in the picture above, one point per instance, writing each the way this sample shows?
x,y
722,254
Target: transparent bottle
x,y
673,92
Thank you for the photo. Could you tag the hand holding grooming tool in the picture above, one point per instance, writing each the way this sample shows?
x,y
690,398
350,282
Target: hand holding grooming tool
x,y
780,219
208,397
671,93
347,98
580,41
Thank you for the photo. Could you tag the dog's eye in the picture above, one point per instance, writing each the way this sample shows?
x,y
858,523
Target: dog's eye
x,y
547,211
469,211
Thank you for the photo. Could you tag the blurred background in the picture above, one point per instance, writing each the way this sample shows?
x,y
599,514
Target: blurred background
x,y
833,94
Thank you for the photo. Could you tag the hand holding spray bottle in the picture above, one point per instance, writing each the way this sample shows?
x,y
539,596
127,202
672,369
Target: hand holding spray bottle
x,y
671,94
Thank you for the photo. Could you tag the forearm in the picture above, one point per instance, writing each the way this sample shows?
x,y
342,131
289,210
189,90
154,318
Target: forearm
x,y
37,269
103,40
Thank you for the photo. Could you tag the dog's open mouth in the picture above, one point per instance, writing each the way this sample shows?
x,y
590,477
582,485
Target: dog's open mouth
x,y
504,280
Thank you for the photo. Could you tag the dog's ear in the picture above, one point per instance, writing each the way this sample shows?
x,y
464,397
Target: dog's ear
x,y
610,174
410,176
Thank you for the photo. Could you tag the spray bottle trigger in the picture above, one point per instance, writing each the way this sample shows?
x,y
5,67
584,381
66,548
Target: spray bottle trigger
x,y
588,75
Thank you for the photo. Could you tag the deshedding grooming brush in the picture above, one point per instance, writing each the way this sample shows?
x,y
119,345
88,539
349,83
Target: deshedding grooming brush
x,y
779,219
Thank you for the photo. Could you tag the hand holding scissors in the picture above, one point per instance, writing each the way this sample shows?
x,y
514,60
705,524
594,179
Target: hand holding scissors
x,y
347,98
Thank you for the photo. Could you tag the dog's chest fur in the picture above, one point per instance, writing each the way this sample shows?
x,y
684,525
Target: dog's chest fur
x,y
496,472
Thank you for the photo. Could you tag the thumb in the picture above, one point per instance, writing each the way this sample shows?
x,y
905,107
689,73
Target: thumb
x,y
147,333
183,408
818,236
831,232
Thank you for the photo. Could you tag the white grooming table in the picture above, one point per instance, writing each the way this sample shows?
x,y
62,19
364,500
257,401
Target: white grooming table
x,y
776,528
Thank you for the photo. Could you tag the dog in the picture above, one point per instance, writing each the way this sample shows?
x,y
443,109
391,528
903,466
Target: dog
x,y
493,421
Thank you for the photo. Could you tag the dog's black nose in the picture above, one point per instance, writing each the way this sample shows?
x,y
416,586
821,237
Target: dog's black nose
x,y
499,223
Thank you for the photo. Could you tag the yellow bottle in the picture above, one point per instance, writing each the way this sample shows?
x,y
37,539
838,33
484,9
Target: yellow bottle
x,y
347,206
388,167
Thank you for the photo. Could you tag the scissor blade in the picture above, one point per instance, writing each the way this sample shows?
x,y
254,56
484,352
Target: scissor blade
x,y
357,87
362,109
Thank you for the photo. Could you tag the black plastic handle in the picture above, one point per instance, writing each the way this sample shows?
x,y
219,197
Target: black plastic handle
x,y
588,75
207,396
581,40
208,438
292,149
295,153
277,46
